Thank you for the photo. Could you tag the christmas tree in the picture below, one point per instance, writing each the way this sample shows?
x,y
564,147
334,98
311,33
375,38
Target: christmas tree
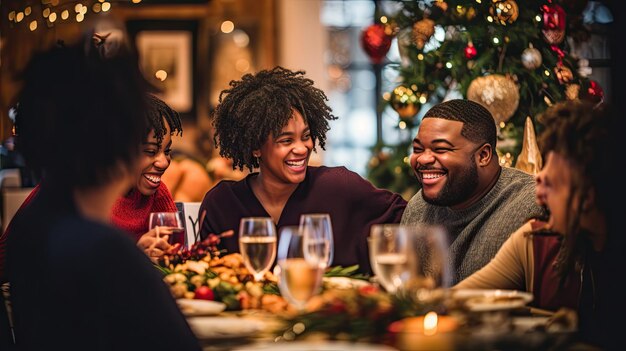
x,y
510,56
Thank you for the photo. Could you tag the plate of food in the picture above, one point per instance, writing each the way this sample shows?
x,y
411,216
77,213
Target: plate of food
x,y
198,307
217,327
491,299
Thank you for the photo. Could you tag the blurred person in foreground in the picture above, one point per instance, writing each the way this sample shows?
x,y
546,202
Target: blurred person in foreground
x,y
76,282
562,259
271,121
464,188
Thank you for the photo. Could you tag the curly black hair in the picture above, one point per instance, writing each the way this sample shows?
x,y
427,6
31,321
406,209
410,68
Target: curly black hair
x,y
479,126
157,110
260,105
579,132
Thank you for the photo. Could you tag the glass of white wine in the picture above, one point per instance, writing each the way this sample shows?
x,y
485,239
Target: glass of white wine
x,y
410,258
300,275
318,237
389,255
257,244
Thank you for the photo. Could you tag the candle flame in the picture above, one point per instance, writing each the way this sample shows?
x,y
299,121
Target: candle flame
x,y
430,323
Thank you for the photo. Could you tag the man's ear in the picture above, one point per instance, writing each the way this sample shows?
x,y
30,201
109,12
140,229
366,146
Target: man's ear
x,y
485,153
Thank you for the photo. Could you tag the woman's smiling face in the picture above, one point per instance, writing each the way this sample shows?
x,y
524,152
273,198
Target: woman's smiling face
x,y
155,159
285,157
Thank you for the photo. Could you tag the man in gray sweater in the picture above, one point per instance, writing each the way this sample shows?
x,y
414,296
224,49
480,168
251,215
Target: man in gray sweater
x,y
464,188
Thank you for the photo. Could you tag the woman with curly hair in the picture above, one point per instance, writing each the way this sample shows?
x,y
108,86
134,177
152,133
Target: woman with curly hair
x,y
563,259
272,121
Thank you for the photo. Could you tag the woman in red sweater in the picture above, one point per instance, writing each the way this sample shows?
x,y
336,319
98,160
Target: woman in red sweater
x,y
132,211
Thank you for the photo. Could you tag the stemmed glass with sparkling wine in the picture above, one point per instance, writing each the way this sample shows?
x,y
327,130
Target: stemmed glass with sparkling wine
x,y
317,230
168,223
300,274
410,258
257,244
389,251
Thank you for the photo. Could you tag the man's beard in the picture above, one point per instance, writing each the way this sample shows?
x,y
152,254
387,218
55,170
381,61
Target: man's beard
x,y
454,193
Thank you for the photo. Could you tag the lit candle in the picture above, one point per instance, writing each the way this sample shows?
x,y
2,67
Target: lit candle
x,y
429,332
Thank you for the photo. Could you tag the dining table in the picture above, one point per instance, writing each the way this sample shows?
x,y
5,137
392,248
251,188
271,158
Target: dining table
x,y
516,326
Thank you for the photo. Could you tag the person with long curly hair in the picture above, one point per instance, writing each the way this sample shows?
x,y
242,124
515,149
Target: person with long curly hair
x,y
562,259
272,121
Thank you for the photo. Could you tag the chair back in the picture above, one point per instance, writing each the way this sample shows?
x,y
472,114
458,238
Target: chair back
x,y
189,212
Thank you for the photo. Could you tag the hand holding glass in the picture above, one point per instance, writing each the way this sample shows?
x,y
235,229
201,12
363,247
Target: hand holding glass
x,y
168,223
257,244
300,278
318,237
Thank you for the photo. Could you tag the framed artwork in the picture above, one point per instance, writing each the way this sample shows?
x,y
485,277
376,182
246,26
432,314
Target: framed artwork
x,y
166,59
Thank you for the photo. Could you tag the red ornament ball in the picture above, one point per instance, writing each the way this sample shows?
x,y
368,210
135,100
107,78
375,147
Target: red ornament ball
x,y
376,42
553,17
592,91
470,52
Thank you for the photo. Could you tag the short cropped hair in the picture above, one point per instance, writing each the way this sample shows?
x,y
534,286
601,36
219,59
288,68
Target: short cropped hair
x,y
80,113
479,126
260,105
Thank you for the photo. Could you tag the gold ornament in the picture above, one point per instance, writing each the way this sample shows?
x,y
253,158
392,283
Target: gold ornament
x,y
571,91
505,11
531,58
563,73
406,102
499,95
422,31
529,160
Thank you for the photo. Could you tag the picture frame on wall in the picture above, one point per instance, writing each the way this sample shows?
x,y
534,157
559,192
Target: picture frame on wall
x,y
166,59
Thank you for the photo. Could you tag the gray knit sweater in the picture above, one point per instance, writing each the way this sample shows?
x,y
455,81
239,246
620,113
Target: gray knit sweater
x,y
476,233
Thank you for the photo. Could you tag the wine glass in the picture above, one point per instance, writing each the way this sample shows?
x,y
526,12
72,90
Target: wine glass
x,y
257,244
318,237
389,255
428,261
410,258
300,275
171,222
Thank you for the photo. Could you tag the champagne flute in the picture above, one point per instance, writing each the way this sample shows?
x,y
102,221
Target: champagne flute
x,y
389,253
257,244
318,237
170,221
428,261
300,275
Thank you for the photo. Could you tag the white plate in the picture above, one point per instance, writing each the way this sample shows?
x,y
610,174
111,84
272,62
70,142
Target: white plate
x,y
193,307
492,299
315,346
224,327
